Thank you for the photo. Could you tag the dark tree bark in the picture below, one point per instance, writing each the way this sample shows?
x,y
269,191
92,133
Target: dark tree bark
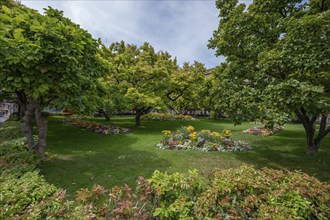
x,y
139,113
26,124
106,115
138,119
313,144
32,109
22,102
42,132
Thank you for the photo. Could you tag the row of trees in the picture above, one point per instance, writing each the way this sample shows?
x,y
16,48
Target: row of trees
x,y
277,65
47,60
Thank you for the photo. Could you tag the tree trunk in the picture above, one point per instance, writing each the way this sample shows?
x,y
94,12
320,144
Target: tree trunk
x,y
138,119
106,116
42,132
26,125
313,144
22,102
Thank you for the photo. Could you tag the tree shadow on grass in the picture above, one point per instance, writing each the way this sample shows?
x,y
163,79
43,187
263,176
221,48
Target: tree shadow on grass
x,y
80,159
289,153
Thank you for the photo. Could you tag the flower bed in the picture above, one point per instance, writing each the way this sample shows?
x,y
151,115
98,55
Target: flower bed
x,y
97,127
166,117
263,131
186,138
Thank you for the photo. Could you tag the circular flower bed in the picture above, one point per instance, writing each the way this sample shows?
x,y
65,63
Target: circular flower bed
x,y
263,131
97,127
186,138
166,117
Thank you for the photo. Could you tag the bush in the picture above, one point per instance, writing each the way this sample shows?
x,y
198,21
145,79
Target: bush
x,y
15,159
10,130
241,193
166,117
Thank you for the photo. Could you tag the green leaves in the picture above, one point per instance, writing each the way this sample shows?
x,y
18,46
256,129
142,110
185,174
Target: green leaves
x,y
18,34
43,57
6,10
277,56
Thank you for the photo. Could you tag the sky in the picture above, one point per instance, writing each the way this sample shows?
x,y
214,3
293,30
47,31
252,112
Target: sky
x,y
181,28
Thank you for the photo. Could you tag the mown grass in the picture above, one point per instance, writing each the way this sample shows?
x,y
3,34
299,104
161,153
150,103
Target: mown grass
x,y
80,158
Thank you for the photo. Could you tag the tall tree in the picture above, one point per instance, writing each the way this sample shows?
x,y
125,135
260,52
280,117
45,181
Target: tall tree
x,y
278,52
46,60
140,74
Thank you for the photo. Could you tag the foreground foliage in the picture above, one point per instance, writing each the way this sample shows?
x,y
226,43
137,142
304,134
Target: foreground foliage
x,y
186,138
243,192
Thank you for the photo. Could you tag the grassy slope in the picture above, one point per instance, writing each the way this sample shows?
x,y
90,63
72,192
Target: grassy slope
x,y
82,158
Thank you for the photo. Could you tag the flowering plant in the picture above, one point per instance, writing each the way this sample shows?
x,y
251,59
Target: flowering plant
x,y
97,127
263,131
187,138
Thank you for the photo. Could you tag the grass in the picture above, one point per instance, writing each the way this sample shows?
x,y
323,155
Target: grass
x,y
80,158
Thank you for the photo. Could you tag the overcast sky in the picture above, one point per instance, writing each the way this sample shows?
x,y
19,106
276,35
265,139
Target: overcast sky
x,y
182,28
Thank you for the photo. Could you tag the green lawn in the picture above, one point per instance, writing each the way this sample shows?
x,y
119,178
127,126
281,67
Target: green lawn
x,y
80,158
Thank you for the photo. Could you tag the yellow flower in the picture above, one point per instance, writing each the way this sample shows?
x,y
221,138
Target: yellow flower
x,y
190,128
193,135
226,133
205,131
167,132
216,134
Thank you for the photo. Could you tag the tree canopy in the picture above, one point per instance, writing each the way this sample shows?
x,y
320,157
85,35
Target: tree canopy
x,y
46,60
278,57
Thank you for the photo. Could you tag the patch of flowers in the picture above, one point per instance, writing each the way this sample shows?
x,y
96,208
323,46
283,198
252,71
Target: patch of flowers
x,y
186,138
263,131
97,127
167,117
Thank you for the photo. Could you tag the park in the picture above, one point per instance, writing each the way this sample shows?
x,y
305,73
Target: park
x,y
124,131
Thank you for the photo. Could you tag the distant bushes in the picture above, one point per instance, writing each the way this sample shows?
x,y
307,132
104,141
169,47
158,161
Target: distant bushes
x,y
166,117
240,193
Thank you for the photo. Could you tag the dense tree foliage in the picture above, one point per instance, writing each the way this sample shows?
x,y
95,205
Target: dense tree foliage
x,y
185,87
277,60
46,60
139,75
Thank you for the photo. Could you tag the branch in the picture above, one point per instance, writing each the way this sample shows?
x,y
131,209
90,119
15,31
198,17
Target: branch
x,y
178,96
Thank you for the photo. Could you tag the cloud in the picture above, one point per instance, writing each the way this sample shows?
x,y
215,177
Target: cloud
x,y
182,28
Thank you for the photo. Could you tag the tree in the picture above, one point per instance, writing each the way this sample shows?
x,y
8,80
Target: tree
x,y
140,75
278,53
184,90
46,60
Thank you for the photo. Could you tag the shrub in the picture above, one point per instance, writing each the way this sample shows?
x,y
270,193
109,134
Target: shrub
x,y
10,130
166,117
19,194
241,193
15,159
